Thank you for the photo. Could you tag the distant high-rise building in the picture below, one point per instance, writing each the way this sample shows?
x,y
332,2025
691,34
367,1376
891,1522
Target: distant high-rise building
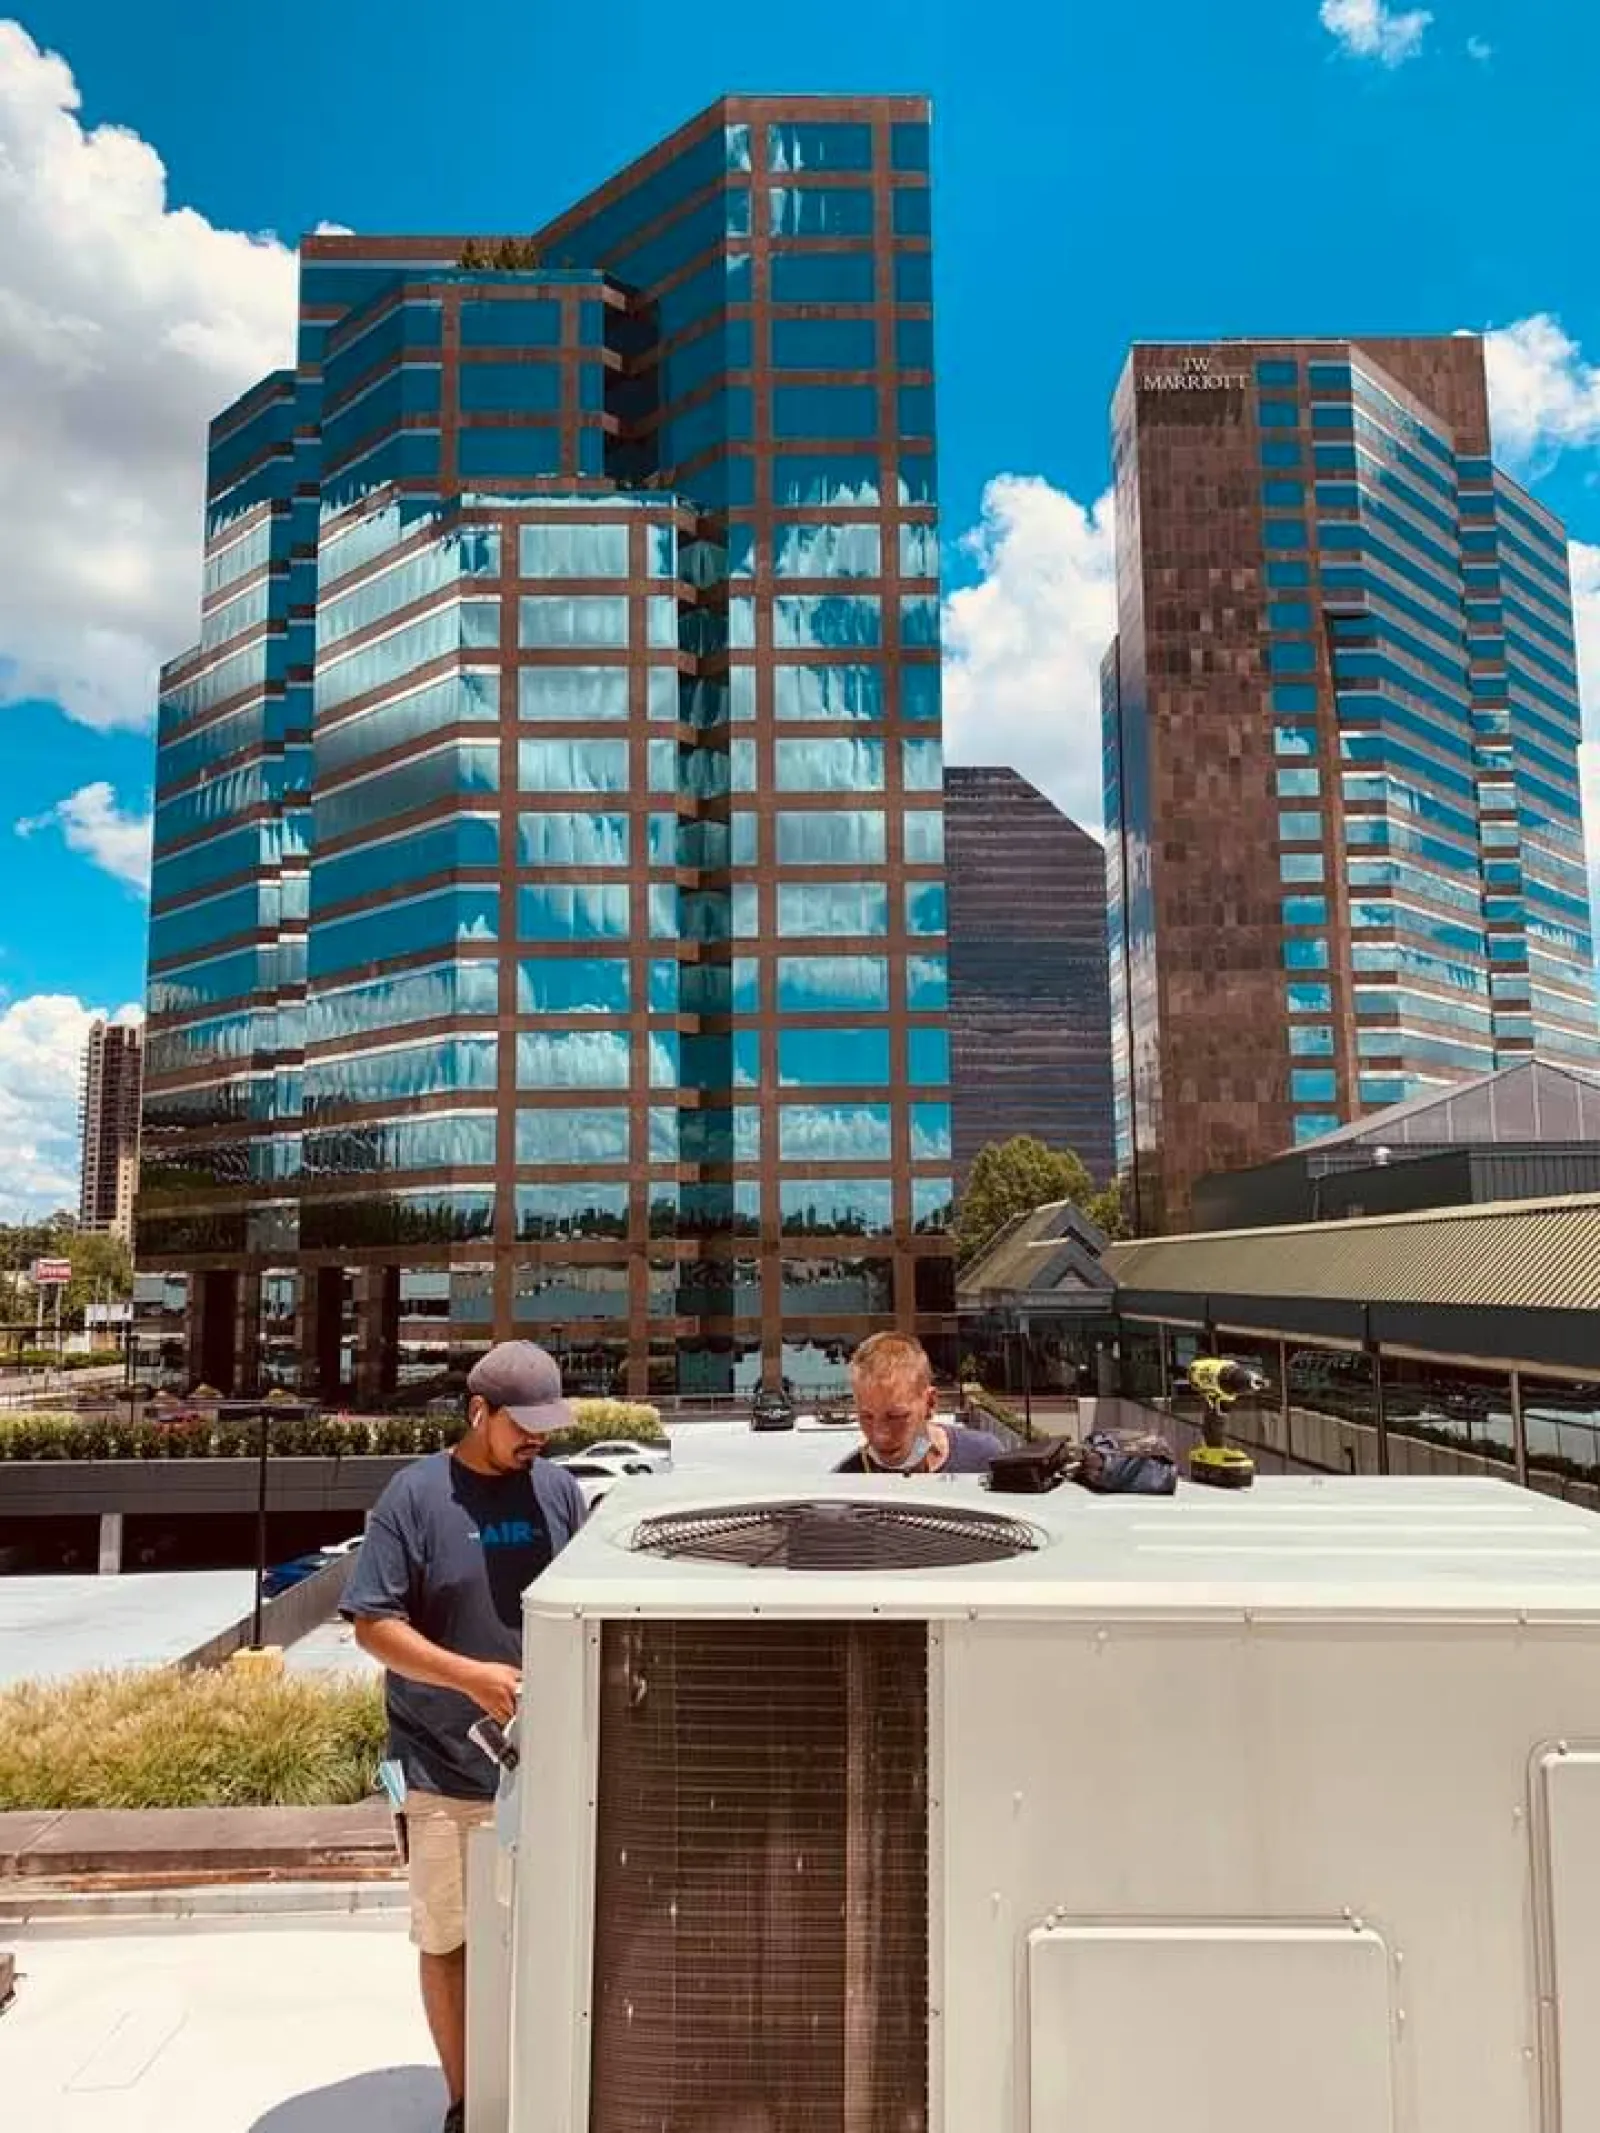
x,y
1342,721
113,1068
548,918
1030,1011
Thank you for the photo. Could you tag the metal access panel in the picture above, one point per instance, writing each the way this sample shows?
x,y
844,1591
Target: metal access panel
x,y
1214,2028
1569,1784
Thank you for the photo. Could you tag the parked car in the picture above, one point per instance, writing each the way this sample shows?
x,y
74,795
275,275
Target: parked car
x,y
771,1410
657,1457
594,1475
281,1576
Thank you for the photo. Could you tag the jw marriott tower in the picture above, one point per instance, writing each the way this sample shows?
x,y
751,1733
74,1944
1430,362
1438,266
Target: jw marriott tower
x,y
548,921
1346,860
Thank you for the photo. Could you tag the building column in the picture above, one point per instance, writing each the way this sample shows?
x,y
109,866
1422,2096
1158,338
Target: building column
x,y
194,1329
377,1332
1519,1429
110,1543
247,1335
318,1323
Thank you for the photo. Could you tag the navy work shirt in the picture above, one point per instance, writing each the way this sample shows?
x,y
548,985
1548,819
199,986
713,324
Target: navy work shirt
x,y
451,1552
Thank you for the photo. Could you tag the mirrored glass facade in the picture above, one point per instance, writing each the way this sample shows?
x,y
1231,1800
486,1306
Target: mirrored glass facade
x,y
1342,723
550,839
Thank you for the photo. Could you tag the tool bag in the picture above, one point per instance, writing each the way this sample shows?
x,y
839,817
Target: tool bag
x,y
1138,1464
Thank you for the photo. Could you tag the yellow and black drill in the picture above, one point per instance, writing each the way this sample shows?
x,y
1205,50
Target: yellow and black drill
x,y
1219,1381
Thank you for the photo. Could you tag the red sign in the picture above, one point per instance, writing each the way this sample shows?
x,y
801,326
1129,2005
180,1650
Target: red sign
x,y
52,1273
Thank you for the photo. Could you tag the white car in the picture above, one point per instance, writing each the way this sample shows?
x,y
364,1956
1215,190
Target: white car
x,y
655,1457
595,1474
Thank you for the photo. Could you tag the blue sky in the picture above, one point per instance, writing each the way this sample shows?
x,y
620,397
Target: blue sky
x,y
1157,171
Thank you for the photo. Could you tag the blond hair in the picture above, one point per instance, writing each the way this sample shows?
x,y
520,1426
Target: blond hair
x,y
884,1356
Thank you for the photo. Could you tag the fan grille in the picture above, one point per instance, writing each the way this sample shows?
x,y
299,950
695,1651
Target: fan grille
x,y
836,1536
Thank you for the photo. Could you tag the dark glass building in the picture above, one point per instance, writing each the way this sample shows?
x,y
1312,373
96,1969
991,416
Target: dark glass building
x,y
1030,1010
548,925
1342,722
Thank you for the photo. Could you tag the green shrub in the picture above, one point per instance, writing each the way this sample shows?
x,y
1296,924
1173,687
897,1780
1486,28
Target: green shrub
x,y
202,1739
111,1435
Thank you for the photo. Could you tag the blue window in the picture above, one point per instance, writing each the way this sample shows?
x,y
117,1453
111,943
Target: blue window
x,y
1284,493
919,551
1313,1085
832,984
1288,614
844,765
832,908
824,1058
924,836
512,322
533,388
1283,533
1310,999
1274,370
821,277
1279,415
824,344
820,210
826,619
919,692
1299,784
1298,825
908,147
930,1132
913,343
579,551
572,1059
928,1057
566,840
572,766
1280,452
554,622
1291,656
927,982
913,277
513,454
1308,1040
576,985
834,478
819,146
834,1133
1305,955
925,907
922,765
825,411
1300,866
574,693
573,911
828,692
1288,572
568,1135
832,551
919,619
1292,698
1305,910
1312,1125
913,210
831,837
916,410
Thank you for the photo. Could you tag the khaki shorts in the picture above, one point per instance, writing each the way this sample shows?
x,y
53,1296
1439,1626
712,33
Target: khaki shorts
x,y
437,1830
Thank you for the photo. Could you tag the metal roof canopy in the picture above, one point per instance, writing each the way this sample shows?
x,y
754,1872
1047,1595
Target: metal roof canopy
x,y
1518,1282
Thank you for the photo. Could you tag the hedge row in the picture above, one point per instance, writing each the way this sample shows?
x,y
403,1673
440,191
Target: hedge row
x,y
25,1436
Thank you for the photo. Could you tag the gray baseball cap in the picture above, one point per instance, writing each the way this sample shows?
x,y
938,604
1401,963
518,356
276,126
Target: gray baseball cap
x,y
525,1380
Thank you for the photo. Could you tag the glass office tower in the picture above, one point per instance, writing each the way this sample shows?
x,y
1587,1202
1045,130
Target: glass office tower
x,y
548,932
1342,721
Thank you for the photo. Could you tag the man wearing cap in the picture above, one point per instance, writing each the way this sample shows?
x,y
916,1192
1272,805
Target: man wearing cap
x,y
436,1598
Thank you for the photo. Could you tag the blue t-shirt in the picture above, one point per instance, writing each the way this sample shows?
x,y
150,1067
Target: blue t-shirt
x,y
451,1552
972,1451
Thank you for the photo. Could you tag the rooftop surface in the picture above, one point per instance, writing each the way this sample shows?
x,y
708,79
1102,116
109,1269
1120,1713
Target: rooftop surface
x,y
51,1627
255,2024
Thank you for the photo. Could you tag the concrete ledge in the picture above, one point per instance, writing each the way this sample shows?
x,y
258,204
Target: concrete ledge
x,y
166,1847
58,1488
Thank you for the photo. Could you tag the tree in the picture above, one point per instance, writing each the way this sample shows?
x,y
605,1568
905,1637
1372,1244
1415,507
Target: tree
x,y
102,1271
1108,1211
1012,1178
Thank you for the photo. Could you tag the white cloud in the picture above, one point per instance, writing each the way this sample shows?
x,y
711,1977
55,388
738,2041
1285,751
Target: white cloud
x,y
41,1056
125,324
93,823
1480,49
1543,397
1023,646
1369,29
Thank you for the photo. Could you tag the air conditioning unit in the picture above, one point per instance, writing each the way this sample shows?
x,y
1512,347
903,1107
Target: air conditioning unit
x,y
899,1807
